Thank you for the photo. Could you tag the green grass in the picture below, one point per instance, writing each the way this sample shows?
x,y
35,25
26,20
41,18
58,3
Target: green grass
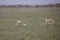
x,y
35,28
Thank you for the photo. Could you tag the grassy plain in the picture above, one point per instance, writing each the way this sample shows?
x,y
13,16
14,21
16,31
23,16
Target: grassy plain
x,y
35,28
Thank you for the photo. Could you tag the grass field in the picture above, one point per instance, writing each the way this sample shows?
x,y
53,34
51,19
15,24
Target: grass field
x,y
35,28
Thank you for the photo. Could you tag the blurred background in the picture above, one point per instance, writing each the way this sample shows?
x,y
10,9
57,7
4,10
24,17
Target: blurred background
x,y
27,19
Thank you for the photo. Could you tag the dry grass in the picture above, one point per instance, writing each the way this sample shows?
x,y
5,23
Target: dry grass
x,y
35,28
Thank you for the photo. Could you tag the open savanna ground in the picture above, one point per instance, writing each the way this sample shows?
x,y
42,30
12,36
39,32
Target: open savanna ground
x,y
35,28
